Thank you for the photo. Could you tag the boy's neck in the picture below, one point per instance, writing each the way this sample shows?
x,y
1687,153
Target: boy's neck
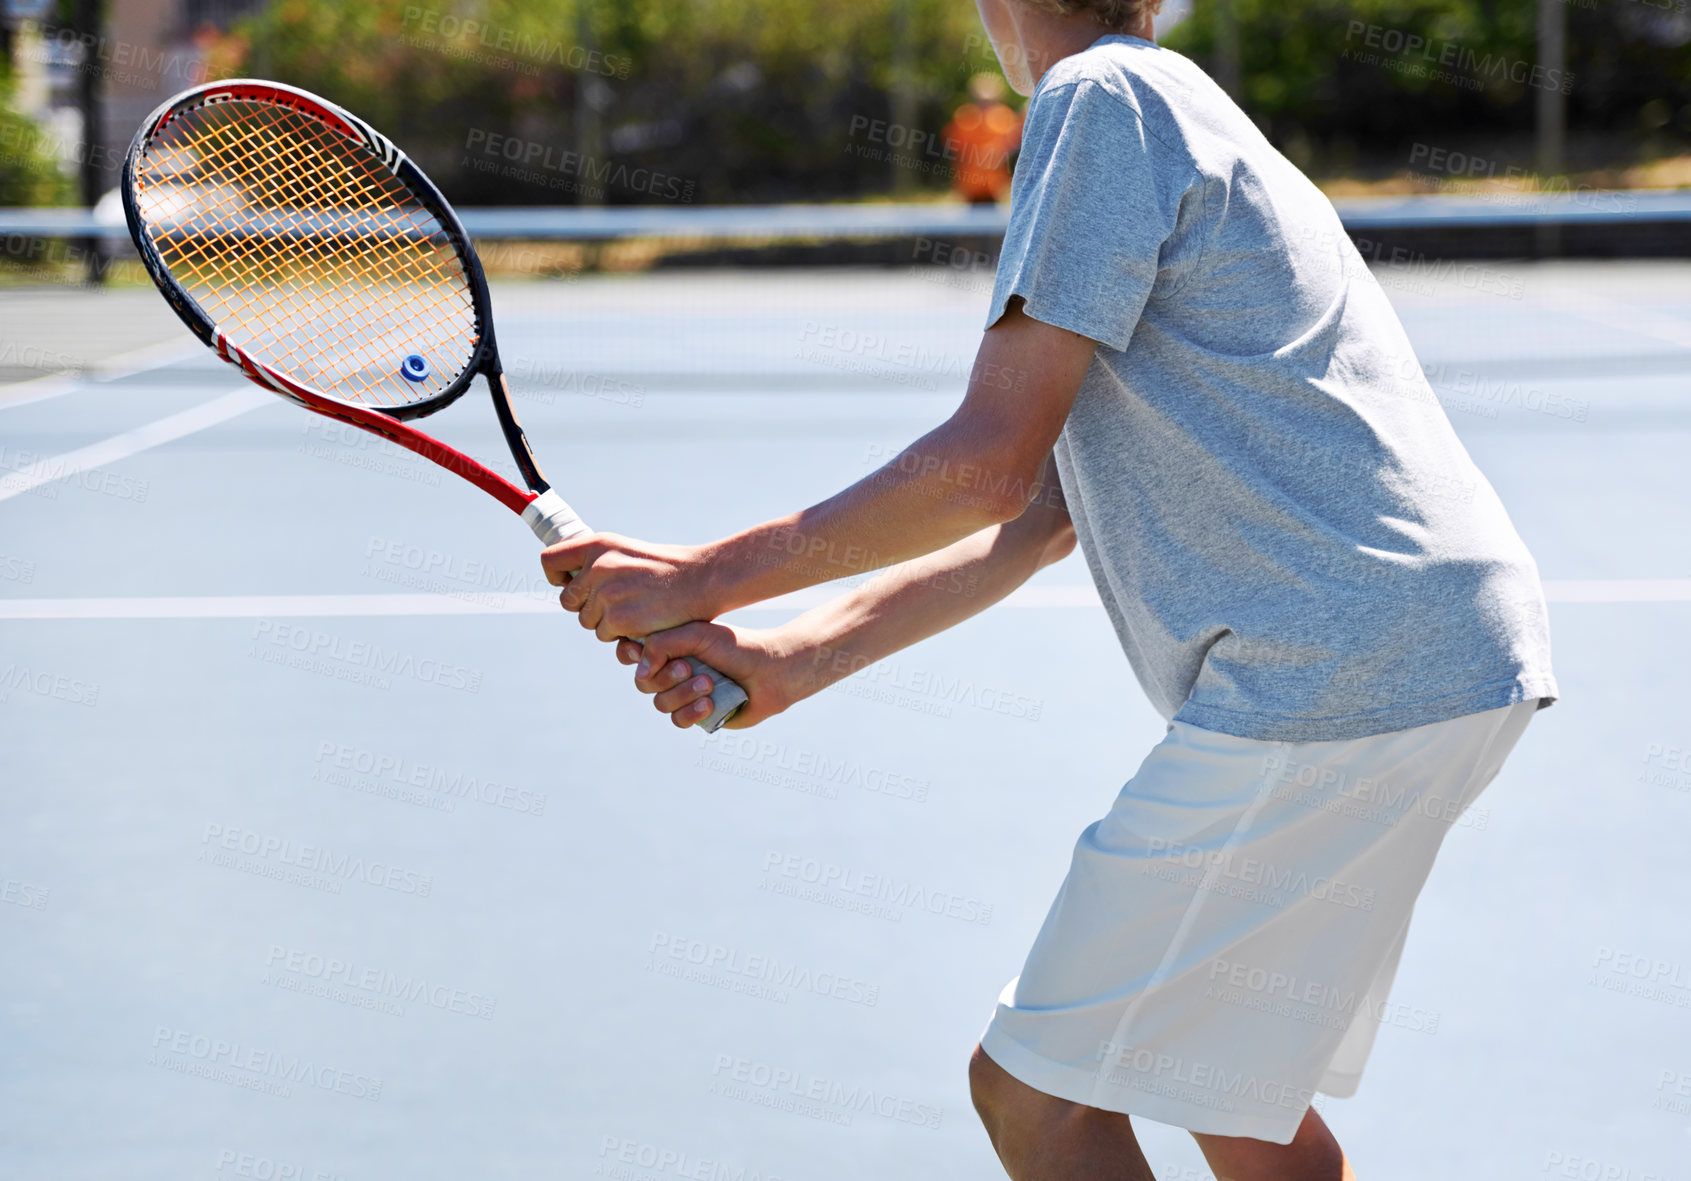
x,y
1046,39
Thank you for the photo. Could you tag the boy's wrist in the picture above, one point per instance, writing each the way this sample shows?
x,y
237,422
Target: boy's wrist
x,y
720,578
733,567
804,667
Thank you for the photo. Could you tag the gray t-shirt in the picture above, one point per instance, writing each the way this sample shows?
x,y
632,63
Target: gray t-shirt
x,y
1290,539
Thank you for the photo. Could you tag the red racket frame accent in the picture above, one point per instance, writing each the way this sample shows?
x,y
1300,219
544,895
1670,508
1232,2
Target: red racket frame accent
x,y
489,481
276,94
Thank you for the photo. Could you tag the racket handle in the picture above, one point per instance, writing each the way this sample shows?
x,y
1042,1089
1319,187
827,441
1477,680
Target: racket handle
x,y
553,520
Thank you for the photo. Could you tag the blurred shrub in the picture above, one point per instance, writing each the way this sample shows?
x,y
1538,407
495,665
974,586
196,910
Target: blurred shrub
x,y
640,101
1382,72
29,165
702,100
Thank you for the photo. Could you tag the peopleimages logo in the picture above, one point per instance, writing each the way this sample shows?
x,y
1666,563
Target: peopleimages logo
x,y
16,569
222,842
30,897
269,1168
44,475
114,60
736,753
787,872
1283,994
927,690
58,687
1255,880
1194,1081
356,661
1446,60
253,1068
782,1087
768,976
622,1159
305,971
353,763
433,28
537,160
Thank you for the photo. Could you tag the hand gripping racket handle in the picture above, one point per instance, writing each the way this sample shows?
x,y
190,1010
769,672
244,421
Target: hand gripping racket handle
x,y
553,521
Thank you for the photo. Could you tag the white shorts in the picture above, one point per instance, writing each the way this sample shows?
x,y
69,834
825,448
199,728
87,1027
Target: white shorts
x,y
1226,938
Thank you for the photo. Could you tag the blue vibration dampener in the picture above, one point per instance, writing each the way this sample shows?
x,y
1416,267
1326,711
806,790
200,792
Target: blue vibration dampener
x,y
415,368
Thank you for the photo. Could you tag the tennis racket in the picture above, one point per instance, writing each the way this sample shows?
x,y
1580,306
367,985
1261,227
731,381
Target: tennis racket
x,y
313,255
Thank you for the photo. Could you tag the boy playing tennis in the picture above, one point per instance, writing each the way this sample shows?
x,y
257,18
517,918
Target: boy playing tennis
x,y
1309,577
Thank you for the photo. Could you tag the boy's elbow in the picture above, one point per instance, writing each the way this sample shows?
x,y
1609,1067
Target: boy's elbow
x,y
997,461
1060,544
1007,486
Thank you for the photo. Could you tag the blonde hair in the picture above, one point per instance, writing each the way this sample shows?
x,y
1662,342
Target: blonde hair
x,y
1112,14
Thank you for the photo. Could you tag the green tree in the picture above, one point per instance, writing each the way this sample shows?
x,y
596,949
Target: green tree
x,y
29,166
1380,73
720,100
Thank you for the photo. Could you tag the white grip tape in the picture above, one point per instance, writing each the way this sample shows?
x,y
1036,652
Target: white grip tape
x,y
553,520
726,696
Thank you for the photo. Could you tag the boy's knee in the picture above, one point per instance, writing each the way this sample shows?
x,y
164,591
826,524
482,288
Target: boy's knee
x,y
984,1083
1000,1097
994,1093
1024,1123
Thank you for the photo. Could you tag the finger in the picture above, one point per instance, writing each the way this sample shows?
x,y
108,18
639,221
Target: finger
x,y
693,714
578,588
690,639
563,559
614,621
589,615
666,677
685,696
629,652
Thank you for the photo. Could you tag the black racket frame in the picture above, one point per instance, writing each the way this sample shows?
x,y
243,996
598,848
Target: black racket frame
x,y
484,360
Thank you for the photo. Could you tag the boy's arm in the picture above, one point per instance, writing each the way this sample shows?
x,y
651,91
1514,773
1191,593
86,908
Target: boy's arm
x,y
907,603
978,469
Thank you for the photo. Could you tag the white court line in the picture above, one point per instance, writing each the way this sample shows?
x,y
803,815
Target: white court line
x,y
163,430
1620,590
469,603
1648,590
141,360
1626,317
256,606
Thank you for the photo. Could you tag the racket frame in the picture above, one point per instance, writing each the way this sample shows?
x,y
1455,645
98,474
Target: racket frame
x,y
545,512
386,422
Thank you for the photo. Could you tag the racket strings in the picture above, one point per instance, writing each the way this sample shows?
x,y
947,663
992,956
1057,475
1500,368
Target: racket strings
x,y
288,187
307,251
361,191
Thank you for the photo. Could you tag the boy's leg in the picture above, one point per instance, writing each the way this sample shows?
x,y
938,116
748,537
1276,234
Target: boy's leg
x,y
1039,1137
1313,1154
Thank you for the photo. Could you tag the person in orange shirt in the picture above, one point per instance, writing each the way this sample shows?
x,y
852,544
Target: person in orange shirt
x,y
979,139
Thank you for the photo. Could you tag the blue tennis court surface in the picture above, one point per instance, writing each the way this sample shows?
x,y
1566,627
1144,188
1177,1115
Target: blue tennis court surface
x,y
331,848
